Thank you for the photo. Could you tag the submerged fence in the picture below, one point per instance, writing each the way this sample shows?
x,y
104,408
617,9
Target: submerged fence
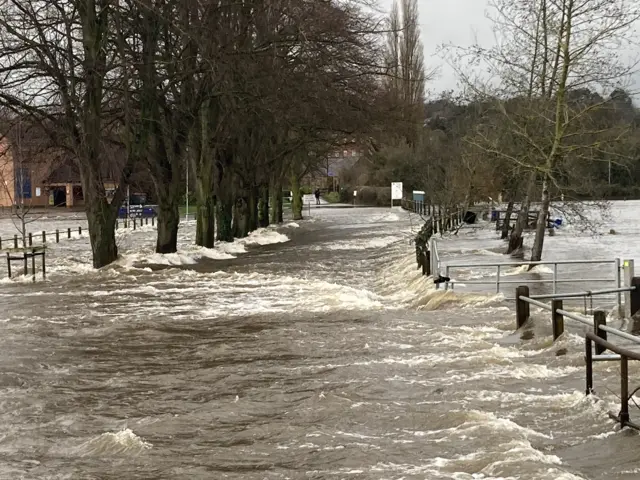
x,y
61,234
598,337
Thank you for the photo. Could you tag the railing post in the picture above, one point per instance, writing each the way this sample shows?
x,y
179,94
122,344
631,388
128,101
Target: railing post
x,y
588,356
498,279
522,307
624,391
134,223
557,320
44,237
599,318
57,236
618,281
153,219
446,284
44,268
69,232
629,273
80,231
30,239
33,264
555,278
9,264
15,241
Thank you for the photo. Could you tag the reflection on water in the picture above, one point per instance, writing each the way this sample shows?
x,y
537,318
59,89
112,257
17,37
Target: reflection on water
x,y
315,350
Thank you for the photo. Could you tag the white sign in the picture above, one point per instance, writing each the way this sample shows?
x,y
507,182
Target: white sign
x,y
38,191
396,191
355,193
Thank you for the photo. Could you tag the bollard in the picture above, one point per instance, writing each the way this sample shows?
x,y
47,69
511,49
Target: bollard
x,y
599,318
69,232
44,237
15,241
557,320
30,239
57,236
522,307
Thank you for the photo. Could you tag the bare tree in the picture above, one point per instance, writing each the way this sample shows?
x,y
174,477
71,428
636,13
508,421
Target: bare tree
x,y
58,69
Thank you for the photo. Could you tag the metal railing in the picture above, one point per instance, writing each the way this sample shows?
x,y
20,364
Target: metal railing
x,y
498,278
598,337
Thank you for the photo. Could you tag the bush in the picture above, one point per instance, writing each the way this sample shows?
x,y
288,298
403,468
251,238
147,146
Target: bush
x,y
332,197
306,190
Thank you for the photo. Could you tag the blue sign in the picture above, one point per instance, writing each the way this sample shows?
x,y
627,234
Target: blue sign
x,y
23,183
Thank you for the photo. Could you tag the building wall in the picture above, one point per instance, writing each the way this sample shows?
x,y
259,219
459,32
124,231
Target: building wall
x,y
7,186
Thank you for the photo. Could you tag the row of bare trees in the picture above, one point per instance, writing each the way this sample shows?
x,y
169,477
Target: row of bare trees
x,y
249,95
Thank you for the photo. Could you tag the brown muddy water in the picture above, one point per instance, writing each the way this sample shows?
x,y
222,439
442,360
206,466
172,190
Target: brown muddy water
x,y
310,351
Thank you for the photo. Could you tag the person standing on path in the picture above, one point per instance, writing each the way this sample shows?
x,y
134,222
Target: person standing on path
x,y
317,194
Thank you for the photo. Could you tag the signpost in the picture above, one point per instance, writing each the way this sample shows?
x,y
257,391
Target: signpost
x,y
396,192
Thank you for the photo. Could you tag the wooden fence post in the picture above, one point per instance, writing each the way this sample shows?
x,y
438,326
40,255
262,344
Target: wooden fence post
x,y
522,307
30,239
599,318
44,237
15,241
557,320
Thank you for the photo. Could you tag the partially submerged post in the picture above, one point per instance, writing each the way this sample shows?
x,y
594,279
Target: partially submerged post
x,y
599,319
557,320
522,307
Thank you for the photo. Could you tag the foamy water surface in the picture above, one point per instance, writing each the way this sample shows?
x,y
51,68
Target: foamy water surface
x,y
310,350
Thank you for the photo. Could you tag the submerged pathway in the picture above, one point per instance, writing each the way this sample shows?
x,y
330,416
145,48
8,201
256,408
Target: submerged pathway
x,y
312,351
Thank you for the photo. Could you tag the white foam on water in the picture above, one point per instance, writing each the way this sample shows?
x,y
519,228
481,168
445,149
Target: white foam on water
x,y
124,442
264,236
371,243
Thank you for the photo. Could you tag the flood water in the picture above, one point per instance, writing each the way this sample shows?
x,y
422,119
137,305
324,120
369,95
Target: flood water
x,y
310,351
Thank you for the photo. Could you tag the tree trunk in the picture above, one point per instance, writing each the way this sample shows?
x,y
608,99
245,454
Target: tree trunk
x,y
102,230
507,221
276,202
241,217
541,226
168,220
515,240
205,227
224,216
254,196
296,199
263,207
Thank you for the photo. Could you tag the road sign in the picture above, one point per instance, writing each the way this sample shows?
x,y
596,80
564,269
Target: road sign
x,y
396,191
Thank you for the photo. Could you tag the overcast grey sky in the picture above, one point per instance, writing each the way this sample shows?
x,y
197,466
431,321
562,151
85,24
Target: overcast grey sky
x,y
461,22
449,21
